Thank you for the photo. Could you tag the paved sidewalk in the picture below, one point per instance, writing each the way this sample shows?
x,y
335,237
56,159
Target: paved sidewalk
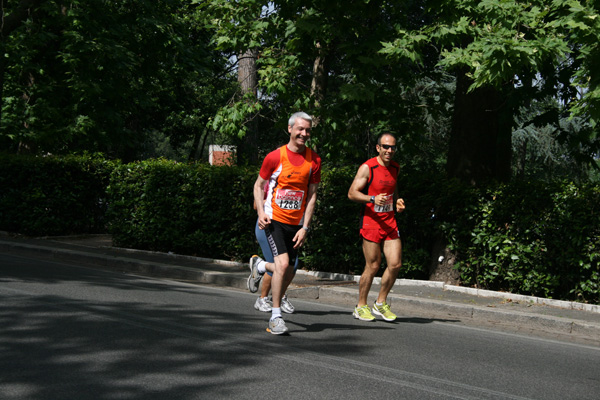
x,y
411,300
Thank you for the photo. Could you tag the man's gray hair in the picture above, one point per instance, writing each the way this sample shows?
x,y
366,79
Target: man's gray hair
x,y
299,114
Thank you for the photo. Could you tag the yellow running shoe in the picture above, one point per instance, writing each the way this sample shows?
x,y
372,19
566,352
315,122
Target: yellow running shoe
x,y
384,311
363,313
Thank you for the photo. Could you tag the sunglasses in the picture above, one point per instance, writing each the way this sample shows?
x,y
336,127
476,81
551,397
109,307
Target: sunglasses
x,y
388,147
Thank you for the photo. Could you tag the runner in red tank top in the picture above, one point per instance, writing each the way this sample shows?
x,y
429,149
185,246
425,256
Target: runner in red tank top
x,y
375,187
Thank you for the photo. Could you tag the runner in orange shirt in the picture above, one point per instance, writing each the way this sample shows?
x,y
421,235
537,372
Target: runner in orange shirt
x,y
293,174
263,303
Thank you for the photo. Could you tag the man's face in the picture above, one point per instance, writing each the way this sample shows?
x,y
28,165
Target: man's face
x,y
300,132
386,154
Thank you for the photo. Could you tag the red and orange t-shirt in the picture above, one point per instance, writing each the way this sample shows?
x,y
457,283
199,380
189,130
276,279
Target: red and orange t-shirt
x,y
289,175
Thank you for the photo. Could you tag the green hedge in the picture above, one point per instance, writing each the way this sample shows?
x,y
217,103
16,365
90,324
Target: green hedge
x,y
183,208
533,238
53,196
207,211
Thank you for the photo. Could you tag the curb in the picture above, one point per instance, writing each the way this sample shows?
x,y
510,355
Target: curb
x,y
470,313
130,265
418,306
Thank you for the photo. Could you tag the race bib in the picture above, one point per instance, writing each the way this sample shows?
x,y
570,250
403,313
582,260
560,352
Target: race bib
x,y
386,207
288,199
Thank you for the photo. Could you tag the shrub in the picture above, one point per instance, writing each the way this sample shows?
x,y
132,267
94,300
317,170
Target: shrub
x,y
536,238
185,208
333,243
532,238
53,195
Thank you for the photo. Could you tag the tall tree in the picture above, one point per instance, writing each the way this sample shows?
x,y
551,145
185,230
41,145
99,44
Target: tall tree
x,y
105,76
504,54
12,19
248,81
322,57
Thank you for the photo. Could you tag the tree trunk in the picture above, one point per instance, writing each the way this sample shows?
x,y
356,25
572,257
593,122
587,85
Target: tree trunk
x,y
318,84
442,264
248,79
480,142
247,72
196,142
480,151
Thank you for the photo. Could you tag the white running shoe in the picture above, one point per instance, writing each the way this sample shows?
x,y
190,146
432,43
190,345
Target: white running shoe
x,y
255,276
286,306
277,326
263,305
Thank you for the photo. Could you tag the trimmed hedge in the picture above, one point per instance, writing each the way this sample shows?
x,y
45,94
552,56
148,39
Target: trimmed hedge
x,y
207,211
533,238
53,196
191,209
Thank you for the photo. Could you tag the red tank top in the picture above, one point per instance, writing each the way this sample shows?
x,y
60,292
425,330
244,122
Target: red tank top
x,y
382,179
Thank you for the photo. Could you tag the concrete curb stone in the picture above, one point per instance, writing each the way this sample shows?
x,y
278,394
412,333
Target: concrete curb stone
x,y
231,274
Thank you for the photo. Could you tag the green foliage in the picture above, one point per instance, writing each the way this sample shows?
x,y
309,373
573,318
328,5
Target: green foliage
x,y
54,195
104,75
184,208
545,146
551,44
359,94
334,238
531,238
526,237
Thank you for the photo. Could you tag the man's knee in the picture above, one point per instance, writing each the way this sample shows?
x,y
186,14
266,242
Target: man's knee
x,y
284,268
372,267
395,267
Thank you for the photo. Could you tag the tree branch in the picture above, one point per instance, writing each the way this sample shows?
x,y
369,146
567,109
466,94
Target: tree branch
x,y
15,19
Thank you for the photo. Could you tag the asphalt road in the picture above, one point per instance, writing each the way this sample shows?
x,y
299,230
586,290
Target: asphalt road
x,y
70,332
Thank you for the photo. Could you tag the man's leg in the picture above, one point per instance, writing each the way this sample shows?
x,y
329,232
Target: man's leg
x,y
282,276
263,303
261,237
263,241
266,286
393,256
372,253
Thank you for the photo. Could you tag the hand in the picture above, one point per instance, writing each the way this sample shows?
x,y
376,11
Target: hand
x,y
299,238
381,199
263,221
400,205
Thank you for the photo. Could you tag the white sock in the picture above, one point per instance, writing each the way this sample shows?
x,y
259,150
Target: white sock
x,y
261,266
275,313
378,303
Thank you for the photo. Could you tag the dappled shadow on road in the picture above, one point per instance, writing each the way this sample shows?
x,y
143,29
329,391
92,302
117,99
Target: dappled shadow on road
x,y
415,320
56,272
53,348
372,324
94,335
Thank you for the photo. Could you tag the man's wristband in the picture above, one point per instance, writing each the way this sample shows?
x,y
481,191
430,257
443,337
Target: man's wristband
x,y
372,199
306,227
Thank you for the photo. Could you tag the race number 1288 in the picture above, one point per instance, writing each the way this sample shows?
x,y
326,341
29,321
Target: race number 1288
x,y
288,199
